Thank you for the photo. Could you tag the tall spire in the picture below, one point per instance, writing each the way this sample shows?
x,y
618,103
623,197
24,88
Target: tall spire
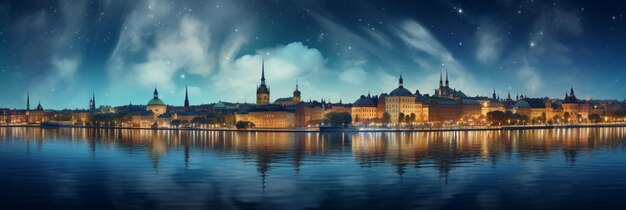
x,y
400,82
28,101
508,96
494,93
447,84
186,100
440,78
572,91
262,71
296,83
92,102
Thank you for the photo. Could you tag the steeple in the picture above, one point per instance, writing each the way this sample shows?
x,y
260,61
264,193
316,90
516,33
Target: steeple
x,y
494,93
28,101
571,91
156,93
447,83
92,102
440,79
400,82
262,71
186,100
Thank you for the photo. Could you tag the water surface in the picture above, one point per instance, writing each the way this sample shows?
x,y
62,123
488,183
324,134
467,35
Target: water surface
x,y
93,168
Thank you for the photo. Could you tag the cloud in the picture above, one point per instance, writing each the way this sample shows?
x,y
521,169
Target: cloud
x,y
354,76
489,44
530,77
66,67
283,64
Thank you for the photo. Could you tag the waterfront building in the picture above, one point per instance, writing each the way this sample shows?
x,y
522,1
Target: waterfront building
x,y
574,109
156,105
269,116
288,101
401,102
540,110
364,110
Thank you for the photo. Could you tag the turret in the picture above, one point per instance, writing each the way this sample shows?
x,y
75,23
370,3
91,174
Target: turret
x,y
296,94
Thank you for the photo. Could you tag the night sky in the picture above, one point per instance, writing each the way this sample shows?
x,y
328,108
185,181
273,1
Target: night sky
x,y
63,50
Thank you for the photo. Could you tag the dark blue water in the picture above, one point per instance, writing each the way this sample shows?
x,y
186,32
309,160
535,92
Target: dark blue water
x,y
107,169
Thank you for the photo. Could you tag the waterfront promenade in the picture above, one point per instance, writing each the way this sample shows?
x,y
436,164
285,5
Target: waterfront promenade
x,y
349,129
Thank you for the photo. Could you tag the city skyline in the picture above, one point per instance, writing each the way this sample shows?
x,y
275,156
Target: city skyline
x,y
63,51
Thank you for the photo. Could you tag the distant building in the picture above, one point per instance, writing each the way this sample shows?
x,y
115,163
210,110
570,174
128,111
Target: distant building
x,y
262,91
156,105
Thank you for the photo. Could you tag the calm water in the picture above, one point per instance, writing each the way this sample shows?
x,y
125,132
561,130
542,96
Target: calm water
x,y
91,168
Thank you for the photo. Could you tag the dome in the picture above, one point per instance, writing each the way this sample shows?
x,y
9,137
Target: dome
x,y
400,91
522,104
364,102
155,101
296,92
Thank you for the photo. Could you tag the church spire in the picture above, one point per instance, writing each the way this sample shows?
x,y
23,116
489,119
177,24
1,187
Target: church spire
x,y
28,101
400,82
494,93
440,78
92,102
447,83
571,91
186,100
262,71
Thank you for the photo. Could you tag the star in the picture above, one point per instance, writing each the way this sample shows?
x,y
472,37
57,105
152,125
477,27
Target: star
x,y
460,11
532,44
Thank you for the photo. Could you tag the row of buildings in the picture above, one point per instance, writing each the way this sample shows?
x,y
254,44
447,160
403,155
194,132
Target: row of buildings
x,y
399,106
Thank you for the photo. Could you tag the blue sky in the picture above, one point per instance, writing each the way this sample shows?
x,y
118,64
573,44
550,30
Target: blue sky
x,y
63,50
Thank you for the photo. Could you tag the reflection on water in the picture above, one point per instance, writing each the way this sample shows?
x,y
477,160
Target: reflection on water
x,y
562,168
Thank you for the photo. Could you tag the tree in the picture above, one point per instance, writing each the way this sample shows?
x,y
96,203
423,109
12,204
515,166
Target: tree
x,y
200,120
176,123
244,125
339,118
400,118
412,118
496,117
595,118
386,118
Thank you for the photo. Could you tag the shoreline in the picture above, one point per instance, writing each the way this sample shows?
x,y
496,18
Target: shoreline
x,y
339,130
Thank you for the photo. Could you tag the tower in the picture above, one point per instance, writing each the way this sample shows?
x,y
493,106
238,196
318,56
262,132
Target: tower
x,y
186,100
296,94
494,94
262,91
28,101
92,102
